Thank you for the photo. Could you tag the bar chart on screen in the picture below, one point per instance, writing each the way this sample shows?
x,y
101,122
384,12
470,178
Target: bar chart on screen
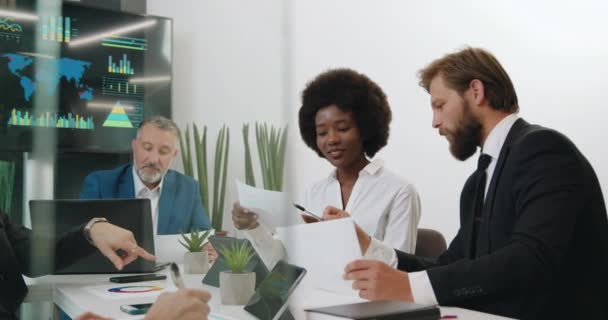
x,y
120,87
50,120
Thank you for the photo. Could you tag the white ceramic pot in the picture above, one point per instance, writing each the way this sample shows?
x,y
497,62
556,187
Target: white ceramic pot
x,y
236,288
196,262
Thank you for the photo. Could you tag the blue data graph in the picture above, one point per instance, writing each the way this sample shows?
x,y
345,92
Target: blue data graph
x,y
122,67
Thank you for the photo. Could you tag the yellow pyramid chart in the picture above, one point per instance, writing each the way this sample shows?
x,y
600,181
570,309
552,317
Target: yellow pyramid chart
x,y
118,118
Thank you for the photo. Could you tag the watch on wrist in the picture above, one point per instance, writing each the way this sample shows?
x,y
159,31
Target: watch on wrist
x,y
86,231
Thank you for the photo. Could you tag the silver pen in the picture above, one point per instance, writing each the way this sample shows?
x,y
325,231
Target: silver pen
x,y
176,276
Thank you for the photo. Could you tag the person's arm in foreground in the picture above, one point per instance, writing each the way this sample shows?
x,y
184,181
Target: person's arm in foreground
x,y
185,304
374,279
109,238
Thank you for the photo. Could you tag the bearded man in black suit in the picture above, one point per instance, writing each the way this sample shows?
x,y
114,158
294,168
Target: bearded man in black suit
x,y
533,237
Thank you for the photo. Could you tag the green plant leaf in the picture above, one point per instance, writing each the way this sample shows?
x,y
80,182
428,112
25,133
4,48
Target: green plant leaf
x,y
182,149
281,159
189,169
249,176
200,167
205,186
195,241
237,256
185,152
261,137
7,183
220,217
216,175
220,174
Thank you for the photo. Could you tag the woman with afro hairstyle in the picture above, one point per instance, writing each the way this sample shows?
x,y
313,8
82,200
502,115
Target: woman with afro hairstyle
x,y
345,119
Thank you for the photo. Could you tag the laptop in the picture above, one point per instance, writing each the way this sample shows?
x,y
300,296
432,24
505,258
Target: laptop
x,y
256,264
53,218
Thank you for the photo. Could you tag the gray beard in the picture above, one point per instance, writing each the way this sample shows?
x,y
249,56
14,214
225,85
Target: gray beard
x,y
149,178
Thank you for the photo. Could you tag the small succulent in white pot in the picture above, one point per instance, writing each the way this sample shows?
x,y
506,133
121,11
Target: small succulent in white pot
x,y
195,260
237,285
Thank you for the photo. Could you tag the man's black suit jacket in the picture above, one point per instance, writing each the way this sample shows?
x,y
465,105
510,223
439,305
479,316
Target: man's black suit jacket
x,y
21,254
542,246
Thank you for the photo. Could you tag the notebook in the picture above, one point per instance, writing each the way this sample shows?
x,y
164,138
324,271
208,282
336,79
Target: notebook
x,y
385,310
53,218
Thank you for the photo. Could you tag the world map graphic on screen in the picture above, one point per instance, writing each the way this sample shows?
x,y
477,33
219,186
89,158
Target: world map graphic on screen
x,y
49,74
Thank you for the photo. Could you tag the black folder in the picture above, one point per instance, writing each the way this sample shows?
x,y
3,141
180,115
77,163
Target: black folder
x,y
385,310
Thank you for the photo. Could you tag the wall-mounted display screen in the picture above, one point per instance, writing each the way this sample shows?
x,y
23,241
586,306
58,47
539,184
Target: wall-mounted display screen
x,y
84,75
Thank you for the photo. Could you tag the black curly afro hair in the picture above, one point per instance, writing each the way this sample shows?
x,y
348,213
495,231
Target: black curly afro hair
x,y
351,92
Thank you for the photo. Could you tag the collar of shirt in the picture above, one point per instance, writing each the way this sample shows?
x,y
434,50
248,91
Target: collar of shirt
x,y
371,169
139,186
498,135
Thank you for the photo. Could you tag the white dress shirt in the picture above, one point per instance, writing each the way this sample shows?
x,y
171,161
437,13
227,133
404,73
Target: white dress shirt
x,y
143,192
384,205
420,283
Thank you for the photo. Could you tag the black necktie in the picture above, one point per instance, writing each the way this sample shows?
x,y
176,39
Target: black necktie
x,y
480,187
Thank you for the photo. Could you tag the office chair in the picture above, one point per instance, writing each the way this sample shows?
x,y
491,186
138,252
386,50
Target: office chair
x,y
430,243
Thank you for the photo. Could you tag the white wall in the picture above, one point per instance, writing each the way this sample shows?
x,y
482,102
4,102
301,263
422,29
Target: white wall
x,y
233,64
554,51
228,69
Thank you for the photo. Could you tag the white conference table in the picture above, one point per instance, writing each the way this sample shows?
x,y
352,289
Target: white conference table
x,y
68,293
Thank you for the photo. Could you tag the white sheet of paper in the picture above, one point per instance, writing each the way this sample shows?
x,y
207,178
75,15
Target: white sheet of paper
x,y
168,249
272,207
323,249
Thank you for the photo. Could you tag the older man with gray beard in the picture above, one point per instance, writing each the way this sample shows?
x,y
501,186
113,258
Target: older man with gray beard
x,y
175,198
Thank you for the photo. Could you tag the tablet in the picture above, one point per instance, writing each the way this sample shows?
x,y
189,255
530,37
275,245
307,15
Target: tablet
x,y
212,278
270,300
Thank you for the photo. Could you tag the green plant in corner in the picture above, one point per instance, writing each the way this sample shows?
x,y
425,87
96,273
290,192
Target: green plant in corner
x,y
7,181
237,256
220,169
194,242
271,151
249,177
219,177
200,153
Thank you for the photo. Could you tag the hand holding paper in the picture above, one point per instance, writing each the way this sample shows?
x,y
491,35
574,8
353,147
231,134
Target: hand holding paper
x,y
271,207
324,249
333,213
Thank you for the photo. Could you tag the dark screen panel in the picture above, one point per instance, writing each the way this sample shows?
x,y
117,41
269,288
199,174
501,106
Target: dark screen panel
x,y
92,95
72,167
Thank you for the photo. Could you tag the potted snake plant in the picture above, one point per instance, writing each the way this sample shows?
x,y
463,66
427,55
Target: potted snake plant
x,y
195,260
212,195
237,285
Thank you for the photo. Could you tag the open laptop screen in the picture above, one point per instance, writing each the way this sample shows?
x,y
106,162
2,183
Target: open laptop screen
x,y
53,218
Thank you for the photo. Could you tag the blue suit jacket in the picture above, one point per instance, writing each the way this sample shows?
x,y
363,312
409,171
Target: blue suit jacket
x,y
180,207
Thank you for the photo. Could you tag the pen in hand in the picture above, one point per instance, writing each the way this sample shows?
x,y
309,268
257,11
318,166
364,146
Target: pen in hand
x,y
308,212
176,276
